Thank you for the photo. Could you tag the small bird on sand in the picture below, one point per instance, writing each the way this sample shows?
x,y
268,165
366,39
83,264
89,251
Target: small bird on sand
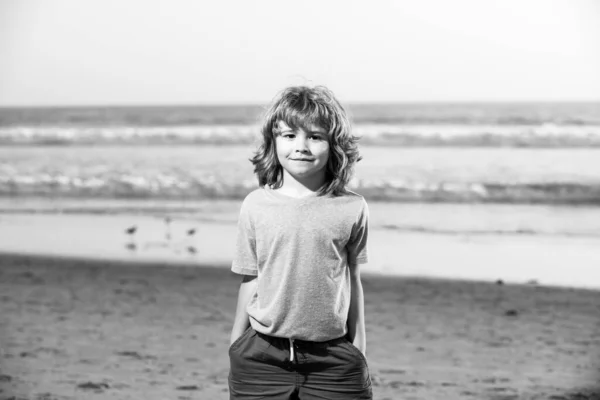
x,y
168,228
131,232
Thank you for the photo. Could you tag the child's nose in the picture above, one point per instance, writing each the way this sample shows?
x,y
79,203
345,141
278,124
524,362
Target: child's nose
x,y
301,144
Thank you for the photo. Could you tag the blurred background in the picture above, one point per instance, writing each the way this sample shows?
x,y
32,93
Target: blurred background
x,y
479,123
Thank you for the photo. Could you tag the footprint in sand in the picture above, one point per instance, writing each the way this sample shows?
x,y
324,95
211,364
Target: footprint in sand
x,y
99,387
135,354
511,313
188,387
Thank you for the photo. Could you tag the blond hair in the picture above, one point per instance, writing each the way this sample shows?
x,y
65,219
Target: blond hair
x,y
301,107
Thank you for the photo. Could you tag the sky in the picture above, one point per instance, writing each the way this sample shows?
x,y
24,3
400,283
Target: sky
x,y
149,52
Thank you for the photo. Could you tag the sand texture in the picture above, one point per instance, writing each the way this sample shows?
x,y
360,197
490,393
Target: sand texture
x,y
76,329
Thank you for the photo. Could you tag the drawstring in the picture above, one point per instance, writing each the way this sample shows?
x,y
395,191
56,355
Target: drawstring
x,y
291,350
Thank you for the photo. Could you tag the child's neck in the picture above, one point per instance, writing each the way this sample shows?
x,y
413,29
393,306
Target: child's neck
x,y
300,188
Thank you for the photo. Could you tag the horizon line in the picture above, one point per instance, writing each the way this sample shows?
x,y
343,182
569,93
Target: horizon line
x,y
262,104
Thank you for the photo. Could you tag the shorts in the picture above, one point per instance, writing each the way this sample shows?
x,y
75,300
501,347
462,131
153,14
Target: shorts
x,y
267,367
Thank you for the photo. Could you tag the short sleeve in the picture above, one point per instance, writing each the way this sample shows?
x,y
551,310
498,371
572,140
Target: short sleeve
x,y
244,261
357,245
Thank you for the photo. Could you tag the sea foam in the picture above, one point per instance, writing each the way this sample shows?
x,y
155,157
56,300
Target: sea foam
x,y
546,135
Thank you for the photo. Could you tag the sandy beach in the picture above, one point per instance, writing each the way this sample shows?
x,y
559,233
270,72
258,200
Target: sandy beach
x,y
92,329
90,312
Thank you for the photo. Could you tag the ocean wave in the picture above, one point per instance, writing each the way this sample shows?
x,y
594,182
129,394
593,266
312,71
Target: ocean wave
x,y
127,135
546,135
165,186
487,232
507,193
572,113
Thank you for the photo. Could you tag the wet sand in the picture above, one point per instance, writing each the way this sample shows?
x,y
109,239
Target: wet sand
x,y
76,328
441,247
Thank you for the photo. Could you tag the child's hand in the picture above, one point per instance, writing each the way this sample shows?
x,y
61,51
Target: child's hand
x,y
235,335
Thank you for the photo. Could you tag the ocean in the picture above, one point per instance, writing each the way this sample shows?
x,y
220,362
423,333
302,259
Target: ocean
x,y
474,191
503,153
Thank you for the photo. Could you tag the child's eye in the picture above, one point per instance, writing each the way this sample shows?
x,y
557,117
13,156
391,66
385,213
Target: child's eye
x,y
316,138
288,135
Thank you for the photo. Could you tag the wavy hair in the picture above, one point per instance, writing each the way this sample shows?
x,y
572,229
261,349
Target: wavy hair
x,y
301,107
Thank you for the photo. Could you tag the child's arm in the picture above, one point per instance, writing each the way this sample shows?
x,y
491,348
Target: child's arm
x,y
241,320
356,314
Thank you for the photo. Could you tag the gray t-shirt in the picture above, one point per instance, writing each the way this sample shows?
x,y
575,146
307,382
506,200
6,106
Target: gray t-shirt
x,y
301,250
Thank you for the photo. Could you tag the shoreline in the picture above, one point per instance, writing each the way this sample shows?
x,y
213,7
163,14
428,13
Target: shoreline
x,y
220,269
514,258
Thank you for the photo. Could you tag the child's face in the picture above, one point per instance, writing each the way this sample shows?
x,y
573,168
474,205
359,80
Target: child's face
x,y
303,153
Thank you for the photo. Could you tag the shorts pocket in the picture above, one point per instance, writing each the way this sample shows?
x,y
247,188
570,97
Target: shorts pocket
x,y
239,340
356,351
